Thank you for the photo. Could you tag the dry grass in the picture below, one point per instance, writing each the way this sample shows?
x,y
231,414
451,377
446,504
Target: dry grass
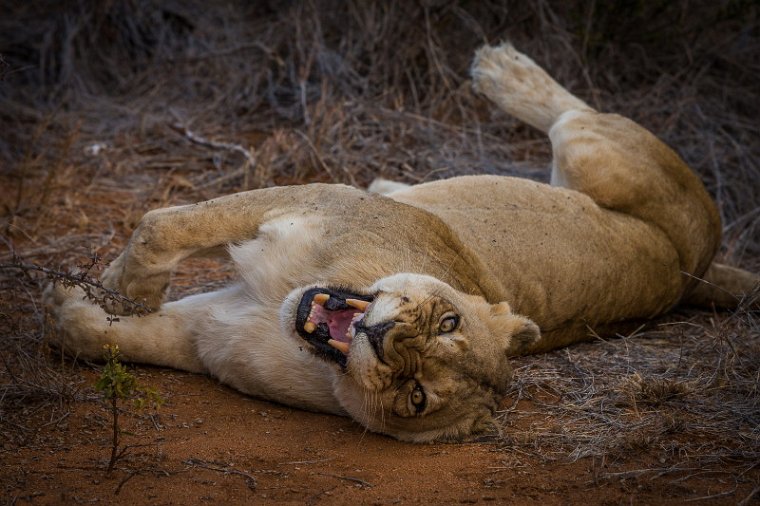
x,y
686,390
126,106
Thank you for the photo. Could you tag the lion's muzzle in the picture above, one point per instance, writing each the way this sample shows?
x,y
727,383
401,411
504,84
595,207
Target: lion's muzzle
x,y
375,335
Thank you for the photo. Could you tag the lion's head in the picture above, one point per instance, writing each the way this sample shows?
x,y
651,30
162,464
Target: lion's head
x,y
415,358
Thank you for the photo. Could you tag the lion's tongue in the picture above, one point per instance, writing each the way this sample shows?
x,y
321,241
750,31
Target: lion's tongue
x,y
339,323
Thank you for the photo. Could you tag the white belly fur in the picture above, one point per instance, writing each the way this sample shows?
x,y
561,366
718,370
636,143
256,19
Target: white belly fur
x,y
243,342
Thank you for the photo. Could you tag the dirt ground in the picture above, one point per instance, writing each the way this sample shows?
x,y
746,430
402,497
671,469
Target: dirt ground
x,y
212,445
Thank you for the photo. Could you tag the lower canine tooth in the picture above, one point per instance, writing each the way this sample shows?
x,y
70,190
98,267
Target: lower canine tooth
x,y
309,327
321,298
339,345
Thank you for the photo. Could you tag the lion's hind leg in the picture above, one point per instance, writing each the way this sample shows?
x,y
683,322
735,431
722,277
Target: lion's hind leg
x,y
386,187
520,87
626,169
613,160
165,337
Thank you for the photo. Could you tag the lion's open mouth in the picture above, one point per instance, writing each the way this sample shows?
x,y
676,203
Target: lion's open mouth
x,y
325,318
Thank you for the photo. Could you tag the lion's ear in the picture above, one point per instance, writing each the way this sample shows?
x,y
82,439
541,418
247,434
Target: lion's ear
x,y
501,308
523,340
520,332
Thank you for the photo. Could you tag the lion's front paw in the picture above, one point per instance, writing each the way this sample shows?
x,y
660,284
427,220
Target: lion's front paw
x,y
130,279
78,321
56,296
112,276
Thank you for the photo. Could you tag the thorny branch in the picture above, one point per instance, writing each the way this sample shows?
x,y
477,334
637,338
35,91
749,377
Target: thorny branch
x,y
93,289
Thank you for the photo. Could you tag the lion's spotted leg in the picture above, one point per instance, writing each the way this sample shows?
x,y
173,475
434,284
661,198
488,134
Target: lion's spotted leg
x,y
166,337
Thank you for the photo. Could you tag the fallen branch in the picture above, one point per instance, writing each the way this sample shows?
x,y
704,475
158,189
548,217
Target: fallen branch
x,y
348,478
250,159
250,480
198,139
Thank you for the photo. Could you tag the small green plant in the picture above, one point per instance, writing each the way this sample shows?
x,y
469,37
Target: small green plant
x,y
117,384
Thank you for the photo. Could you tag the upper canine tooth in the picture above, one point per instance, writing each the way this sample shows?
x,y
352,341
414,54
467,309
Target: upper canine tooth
x,y
339,345
361,305
309,327
321,298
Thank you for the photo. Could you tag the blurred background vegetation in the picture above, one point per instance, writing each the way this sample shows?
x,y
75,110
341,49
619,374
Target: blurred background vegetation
x,y
348,90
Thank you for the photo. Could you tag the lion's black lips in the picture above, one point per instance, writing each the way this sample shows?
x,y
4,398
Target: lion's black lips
x,y
321,334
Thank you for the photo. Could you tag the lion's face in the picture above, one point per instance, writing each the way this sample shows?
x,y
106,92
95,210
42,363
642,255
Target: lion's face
x,y
415,358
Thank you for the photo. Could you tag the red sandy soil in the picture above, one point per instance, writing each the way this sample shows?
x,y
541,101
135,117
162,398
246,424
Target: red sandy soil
x,y
209,444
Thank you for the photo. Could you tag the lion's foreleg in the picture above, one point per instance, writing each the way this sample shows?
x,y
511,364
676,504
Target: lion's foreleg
x,y
167,337
165,237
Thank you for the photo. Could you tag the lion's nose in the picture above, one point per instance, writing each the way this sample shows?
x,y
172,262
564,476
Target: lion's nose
x,y
375,334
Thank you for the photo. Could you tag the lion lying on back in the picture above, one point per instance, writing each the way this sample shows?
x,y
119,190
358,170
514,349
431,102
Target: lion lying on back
x,y
401,310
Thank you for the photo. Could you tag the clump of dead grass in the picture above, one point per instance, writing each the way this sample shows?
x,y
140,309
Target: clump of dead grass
x,y
685,390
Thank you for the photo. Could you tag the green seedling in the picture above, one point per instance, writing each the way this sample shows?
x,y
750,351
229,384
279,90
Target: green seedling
x,y
117,384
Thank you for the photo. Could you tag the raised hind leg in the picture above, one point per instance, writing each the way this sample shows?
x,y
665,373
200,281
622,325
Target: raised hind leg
x,y
618,163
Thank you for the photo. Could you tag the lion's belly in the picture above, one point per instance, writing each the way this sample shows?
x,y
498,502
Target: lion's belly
x,y
558,255
243,343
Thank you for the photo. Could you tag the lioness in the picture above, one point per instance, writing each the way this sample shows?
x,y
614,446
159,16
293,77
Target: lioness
x,y
402,310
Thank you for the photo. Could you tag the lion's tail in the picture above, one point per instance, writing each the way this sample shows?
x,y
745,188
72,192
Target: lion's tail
x,y
520,87
726,287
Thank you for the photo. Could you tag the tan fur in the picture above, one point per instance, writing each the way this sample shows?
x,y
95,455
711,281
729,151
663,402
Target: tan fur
x,y
624,233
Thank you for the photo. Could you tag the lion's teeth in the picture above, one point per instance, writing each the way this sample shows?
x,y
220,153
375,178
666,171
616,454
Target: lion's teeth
x,y
309,327
321,298
361,305
339,345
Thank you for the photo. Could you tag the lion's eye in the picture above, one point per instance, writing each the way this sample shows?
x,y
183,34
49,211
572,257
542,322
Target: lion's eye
x,y
449,324
418,399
